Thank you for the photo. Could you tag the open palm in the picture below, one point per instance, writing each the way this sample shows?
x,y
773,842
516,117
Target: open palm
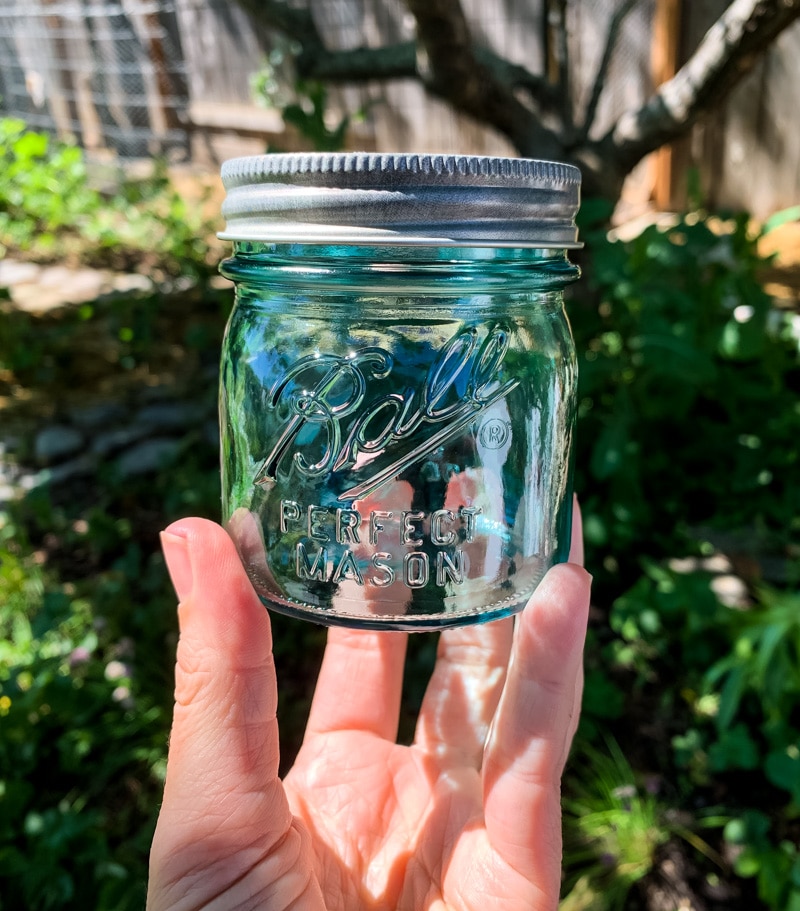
x,y
467,817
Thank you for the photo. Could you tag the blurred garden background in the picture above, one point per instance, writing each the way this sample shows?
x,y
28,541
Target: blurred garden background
x,y
683,791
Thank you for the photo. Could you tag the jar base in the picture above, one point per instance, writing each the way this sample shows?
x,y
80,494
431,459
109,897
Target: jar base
x,y
416,623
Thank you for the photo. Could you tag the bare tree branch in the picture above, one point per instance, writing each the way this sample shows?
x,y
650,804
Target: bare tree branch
x,y
515,76
295,21
614,29
544,35
400,61
394,61
315,61
453,71
477,81
730,49
358,64
562,61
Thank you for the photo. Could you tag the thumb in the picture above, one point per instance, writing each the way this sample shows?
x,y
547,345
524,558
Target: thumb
x,y
222,797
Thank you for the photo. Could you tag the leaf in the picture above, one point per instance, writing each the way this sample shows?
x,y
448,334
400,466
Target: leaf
x,y
296,116
735,749
668,353
609,450
31,145
747,864
772,636
749,828
731,696
687,746
743,341
781,218
602,698
783,770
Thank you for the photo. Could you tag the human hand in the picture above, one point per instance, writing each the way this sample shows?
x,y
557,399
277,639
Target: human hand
x,y
467,817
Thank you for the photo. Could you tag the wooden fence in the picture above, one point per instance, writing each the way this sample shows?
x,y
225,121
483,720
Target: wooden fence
x,y
153,76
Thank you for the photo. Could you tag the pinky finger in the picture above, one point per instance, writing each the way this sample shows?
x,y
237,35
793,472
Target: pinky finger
x,y
530,739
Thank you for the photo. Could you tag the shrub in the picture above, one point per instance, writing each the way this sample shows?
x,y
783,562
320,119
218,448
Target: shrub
x,y
688,439
49,208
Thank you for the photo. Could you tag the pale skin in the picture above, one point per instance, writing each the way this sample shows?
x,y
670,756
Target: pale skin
x,y
466,818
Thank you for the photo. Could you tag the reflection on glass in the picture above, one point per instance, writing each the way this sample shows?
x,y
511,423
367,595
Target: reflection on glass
x,y
398,460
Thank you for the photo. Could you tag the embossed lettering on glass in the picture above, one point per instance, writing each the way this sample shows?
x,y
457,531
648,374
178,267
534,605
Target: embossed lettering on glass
x,y
398,383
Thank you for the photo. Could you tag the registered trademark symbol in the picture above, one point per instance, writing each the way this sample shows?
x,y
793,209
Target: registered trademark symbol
x,y
494,433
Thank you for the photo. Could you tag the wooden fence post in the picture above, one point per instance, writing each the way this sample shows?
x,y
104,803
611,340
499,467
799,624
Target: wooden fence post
x,y
665,50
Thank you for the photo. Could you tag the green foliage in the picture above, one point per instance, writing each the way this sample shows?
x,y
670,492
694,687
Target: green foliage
x,y
308,116
734,702
672,617
81,752
302,103
764,662
689,412
776,867
758,729
613,827
87,621
87,631
49,208
43,187
689,428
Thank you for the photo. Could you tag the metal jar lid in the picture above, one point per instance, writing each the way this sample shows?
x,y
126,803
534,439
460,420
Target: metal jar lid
x,y
402,199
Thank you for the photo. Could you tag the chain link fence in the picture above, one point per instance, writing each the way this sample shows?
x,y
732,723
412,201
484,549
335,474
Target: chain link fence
x,y
108,72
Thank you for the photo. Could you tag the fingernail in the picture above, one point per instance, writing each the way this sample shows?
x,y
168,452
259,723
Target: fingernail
x,y
175,545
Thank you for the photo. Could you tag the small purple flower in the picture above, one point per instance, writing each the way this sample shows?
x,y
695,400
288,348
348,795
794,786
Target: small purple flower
x,y
652,784
78,656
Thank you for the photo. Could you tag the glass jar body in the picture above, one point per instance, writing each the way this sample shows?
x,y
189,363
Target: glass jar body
x,y
396,429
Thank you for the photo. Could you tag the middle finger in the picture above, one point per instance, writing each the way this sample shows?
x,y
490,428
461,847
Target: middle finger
x,y
464,691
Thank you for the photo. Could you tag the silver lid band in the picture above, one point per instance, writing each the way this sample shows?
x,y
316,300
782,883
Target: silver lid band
x,y
402,199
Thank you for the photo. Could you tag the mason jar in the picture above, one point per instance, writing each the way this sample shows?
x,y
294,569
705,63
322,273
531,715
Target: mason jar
x,y
398,383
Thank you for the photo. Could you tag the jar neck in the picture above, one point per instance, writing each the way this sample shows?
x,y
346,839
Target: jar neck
x,y
358,265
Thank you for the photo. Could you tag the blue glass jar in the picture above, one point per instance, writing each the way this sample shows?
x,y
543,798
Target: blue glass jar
x,y
398,384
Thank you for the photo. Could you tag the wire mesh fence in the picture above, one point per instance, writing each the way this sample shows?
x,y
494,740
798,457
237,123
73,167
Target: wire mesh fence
x,y
108,72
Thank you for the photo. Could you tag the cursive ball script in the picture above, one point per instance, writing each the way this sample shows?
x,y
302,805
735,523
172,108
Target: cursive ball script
x,y
332,392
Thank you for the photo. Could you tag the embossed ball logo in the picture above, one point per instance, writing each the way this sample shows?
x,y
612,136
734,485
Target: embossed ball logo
x,y
332,420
